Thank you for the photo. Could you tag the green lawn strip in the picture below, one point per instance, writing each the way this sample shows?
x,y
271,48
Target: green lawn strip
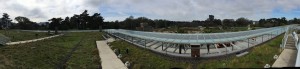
x,y
144,59
257,58
41,54
86,56
17,35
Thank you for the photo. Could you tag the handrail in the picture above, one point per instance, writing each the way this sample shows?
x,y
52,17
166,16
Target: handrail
x,y
296,39
297,64
284,40
297,43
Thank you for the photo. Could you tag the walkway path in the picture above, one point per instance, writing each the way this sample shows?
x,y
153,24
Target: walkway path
x,y
109,59
287,57
62,31
33,40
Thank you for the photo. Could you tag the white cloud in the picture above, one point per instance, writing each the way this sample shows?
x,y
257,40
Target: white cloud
x,y
42,10
198,9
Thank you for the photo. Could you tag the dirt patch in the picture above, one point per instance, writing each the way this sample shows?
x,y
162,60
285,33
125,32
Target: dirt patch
x,y
5,62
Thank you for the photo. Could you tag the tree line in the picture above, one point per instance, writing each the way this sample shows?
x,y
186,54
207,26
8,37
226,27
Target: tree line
x,y
85,21
131,23
82,21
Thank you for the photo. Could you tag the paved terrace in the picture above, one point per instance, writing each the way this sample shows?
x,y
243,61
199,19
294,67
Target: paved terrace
x,y
197,45
33,40
109,59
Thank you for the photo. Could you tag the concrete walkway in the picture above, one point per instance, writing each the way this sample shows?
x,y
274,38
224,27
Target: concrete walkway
x,y
109,59
33,40
286,59
288,56
62,31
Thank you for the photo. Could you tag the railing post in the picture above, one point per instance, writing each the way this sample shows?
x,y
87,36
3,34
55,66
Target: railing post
x,y
248,42
262,38
162,45
145,43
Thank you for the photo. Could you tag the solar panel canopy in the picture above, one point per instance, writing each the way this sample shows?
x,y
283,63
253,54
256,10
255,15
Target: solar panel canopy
x,y
198,38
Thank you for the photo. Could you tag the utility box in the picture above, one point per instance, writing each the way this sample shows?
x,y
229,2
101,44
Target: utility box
x,y
195,50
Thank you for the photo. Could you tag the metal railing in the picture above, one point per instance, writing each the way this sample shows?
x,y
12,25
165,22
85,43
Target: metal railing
x,y
284,40
298,56
297,43
297,64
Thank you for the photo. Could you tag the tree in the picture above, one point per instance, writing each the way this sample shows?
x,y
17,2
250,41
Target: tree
x,y
83,18
25,23
283,21
100,18
5,21
228,23
160,23
261,22
74,22
65,24
96,21
242,22
211,17
55,22
129,23
217,22
294,21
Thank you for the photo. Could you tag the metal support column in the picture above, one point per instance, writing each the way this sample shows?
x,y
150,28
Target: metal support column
x,y
270,35
162,45
180,47
207,46
145,44
248,42
231,47
262,38
225,48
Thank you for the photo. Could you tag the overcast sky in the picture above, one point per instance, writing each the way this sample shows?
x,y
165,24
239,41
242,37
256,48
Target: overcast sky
x,y
178,10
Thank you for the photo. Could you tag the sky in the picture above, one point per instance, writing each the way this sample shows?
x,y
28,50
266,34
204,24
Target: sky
x,y
175,10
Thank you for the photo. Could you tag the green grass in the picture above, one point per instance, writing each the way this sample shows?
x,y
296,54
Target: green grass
x,y
87,56
143,59
17,35
48,53
257,58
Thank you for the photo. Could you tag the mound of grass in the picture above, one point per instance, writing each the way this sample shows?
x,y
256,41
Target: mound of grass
x,y
144,59
17,35
48,54
87,56
257,58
